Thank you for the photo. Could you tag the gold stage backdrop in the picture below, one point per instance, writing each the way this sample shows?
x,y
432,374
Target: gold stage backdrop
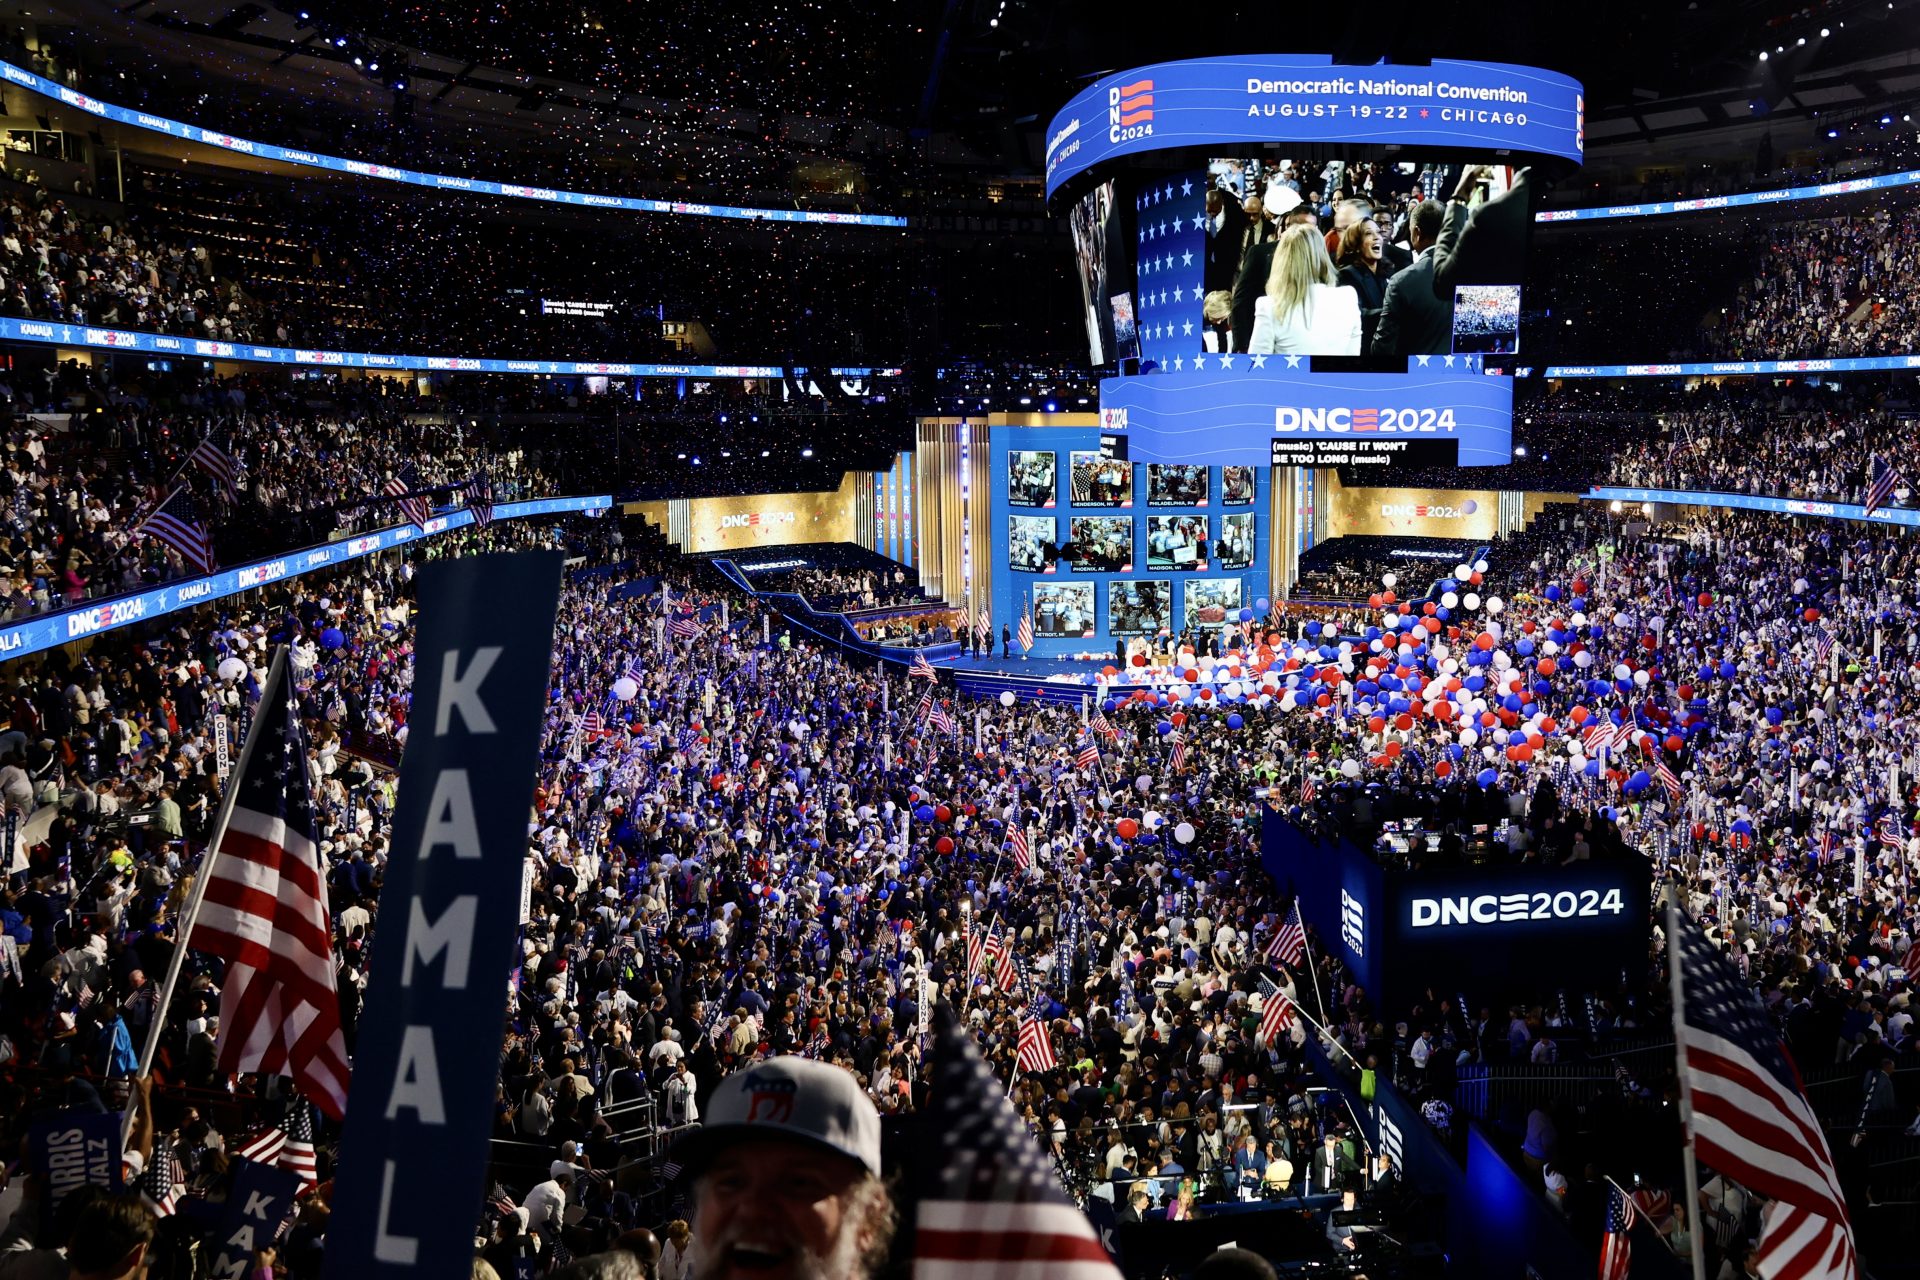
x,y
758,520
1421,513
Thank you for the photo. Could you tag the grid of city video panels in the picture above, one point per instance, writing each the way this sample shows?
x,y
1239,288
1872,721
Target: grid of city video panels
x,y
1094,538
1135,606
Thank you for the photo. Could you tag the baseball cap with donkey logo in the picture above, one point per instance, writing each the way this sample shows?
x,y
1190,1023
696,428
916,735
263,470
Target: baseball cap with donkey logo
x,y
790,1098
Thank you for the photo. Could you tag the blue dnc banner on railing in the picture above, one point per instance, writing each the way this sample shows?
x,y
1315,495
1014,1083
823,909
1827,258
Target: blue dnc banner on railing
x,y
162,344
440,181
56,629
1780,195
1711,368
1470,106
1754,502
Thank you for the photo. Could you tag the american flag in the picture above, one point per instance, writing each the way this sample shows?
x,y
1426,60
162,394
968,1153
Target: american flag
x,y
500,1200
414,506
480,499
1655,1204
1911,962
1035,1052
264,1147
591,723
1089,755
1827,843
976,947
992,1208
1179,758
1603,736
633,671
1104,727
162,1182
1750,1119
985,624
925,708
1891,832
1822,647
966,619
1885,480
922,669
1307,792
683,628
1024,634
939,720
213,459
296,1156
1022,851
998,953
1616,1246
265,912
1665,774
177,523
1276,1016
1289,940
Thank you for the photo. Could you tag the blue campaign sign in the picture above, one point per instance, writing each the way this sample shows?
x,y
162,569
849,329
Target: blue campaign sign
x,y
257,1207
440,181
1711,368
1779,195
74,1149
1465,106
161,344
55,629
1232,409
1752,502
413,1157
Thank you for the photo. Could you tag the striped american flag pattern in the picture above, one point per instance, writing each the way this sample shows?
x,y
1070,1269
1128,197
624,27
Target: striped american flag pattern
x,y
997,950
178,523
1179,758
683,628
212,458
1822,647
1024,633
985,623
1289,940
1276,1015
1104,727
400,486
1911,961
976,948
1616,1246
1665,774
1022,850
1884,480
265,912
925,708
480,499
1034,1052
1750,1119
922,669
966,619
297,1155
1307,792
940,720
264,1147
162,1183
1088,756
1827,845
992,1208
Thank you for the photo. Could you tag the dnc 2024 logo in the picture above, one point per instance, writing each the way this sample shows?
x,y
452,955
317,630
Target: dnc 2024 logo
x,y
1130,111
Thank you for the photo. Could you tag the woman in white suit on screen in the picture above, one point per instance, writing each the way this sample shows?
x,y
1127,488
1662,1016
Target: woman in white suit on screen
x,y
1304,311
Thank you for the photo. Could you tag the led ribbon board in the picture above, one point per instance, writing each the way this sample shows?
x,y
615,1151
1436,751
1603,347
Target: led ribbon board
x,y
1463,106
439,181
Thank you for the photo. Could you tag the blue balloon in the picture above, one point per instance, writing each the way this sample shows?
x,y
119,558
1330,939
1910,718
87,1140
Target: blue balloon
x,y
332,638
1728,670
924,813
1593,769
1524,647
1246,615
1553,591
1775,715
1235,721
1487,777
1163,728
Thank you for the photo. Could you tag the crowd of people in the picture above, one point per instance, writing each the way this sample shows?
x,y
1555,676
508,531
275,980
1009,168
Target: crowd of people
x,y
76,488
743,860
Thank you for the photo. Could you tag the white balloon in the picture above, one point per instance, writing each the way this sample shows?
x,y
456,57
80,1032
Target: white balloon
x,y
1006,698
1479,566
1583,659
1184,833
1152,819
1389,580
1449,600
1494,604
624,688
1471,600
1462,571
231,669
1349,768
1640,679
1329,630
1469,736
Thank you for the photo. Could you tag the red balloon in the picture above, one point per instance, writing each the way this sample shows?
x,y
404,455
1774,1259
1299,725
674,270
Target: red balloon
x,y
1193,674
1127,828
1812,614
1443,769
1675,742
1324,700
1443,711
1179,719
1376,724
1546,666
1705,600
944,844
1402,722
1139,659
1374,601
1109,671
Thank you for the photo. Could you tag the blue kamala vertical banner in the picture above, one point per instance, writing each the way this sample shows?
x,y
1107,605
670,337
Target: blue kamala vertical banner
x,y
414,1153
